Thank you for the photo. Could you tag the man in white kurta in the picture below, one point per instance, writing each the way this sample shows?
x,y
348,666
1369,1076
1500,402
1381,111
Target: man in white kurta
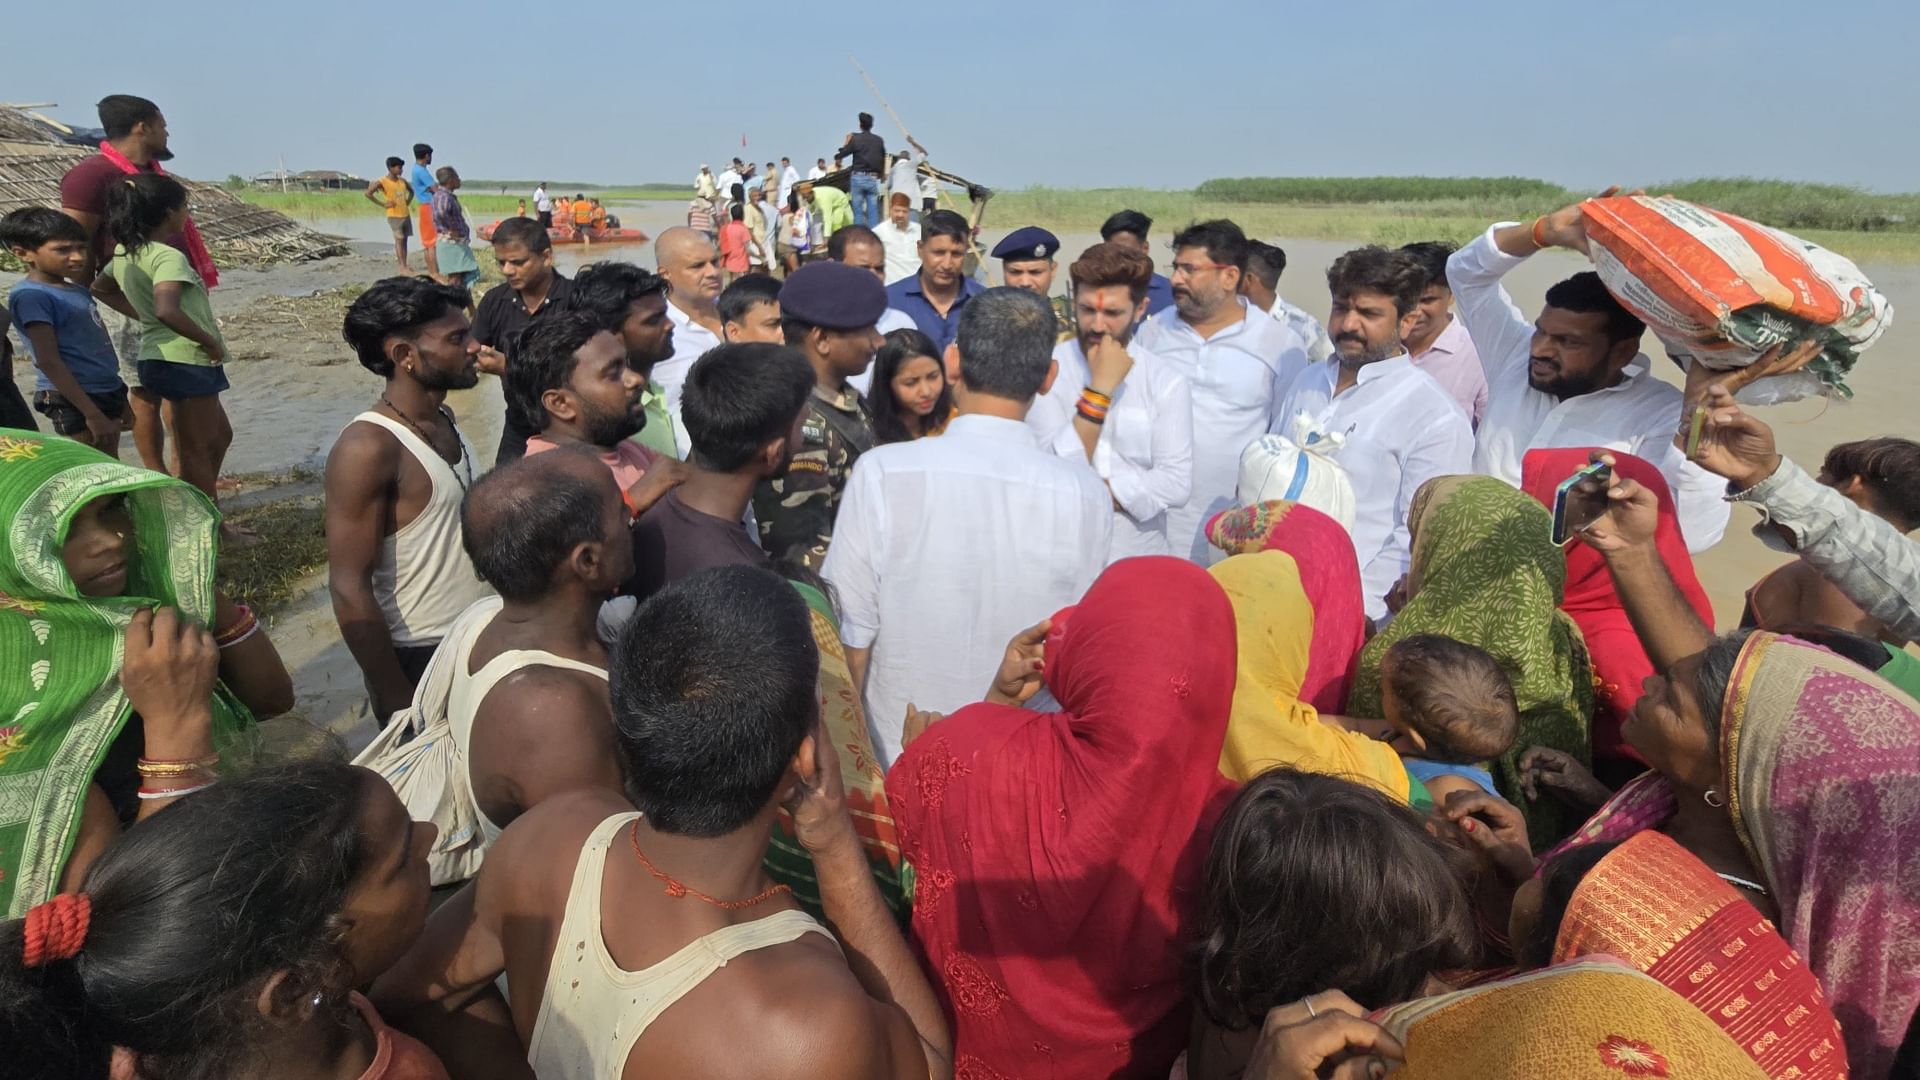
x,y
1575,377
1402,428
1238,361
946,547
1140,441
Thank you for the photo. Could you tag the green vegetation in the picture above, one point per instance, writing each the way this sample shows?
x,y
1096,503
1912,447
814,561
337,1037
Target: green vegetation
x,y
1378,189
1390,210
293,544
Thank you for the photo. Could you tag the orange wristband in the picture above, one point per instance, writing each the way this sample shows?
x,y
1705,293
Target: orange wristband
x,y
1539,241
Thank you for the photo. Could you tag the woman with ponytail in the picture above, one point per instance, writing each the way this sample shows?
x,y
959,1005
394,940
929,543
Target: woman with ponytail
x,y
224,939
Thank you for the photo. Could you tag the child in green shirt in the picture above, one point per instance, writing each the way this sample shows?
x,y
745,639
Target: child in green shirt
x,y
181,351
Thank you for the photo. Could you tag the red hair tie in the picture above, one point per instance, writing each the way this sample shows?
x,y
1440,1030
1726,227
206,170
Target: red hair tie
x,y
56,929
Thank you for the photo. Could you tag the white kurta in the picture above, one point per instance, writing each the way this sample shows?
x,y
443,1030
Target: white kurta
x,y
1237,377
1639,415
945,548
1145,450
690,342
1402,429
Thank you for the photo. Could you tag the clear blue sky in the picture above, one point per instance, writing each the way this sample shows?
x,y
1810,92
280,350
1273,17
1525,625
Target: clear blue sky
x,y
1074,94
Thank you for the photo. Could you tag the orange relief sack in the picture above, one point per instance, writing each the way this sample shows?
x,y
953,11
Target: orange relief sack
x,y
1723,290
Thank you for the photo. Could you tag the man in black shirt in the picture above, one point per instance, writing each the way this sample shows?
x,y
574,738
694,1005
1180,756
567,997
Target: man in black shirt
x,y
533,288
869,156
743,405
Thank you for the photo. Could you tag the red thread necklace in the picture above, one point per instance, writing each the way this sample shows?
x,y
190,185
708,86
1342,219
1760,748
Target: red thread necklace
x,y
677,889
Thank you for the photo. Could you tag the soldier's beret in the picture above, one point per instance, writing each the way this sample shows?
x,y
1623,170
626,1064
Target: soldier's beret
x,y
1032,242
833,296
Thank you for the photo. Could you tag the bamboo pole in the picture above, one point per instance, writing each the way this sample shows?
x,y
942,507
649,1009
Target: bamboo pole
x,y
973,244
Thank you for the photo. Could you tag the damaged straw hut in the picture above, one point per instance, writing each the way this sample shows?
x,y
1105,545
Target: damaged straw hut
x,y
36,152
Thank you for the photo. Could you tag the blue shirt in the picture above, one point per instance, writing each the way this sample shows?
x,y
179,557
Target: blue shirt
x,y
1159,293
84,345
423,183
907,296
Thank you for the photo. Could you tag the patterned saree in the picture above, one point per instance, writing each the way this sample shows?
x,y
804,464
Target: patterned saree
x,y
61,702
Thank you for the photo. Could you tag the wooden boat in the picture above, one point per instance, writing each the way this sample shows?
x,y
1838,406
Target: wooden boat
x,y
567,234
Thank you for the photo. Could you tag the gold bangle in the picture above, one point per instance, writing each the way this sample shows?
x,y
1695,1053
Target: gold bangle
x,y
175,768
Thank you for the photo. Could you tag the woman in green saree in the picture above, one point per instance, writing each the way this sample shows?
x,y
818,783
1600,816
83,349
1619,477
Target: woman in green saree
x,y
123,674
1486,572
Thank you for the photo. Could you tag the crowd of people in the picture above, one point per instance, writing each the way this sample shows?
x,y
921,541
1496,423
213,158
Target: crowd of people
x,y
893,670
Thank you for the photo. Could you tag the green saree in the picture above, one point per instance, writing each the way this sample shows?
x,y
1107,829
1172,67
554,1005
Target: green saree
x,y
61,703
1486,572
860,773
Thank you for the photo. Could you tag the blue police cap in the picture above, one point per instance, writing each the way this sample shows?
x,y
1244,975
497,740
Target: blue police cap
x,y
1032,242
833,296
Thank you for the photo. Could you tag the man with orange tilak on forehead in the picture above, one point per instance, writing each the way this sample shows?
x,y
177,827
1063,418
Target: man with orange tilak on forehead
x,y
1117,406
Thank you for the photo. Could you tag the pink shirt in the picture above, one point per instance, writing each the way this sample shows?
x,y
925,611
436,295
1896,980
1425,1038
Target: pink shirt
x,y
629,461
1455,364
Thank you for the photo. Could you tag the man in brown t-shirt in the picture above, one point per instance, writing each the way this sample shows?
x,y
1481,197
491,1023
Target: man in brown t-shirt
x,y
742,405
134,127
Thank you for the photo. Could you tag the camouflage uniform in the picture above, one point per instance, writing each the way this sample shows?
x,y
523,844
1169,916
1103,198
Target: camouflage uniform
x,y
1069,324
795,512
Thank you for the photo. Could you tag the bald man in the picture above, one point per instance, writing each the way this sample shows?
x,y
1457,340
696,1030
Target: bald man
x,y
691,265
550,534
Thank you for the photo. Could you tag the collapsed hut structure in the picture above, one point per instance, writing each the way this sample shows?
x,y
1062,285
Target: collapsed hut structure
x,y
36,152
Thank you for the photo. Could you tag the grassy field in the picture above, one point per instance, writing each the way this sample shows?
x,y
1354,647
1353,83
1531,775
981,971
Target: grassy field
x,y
1396,210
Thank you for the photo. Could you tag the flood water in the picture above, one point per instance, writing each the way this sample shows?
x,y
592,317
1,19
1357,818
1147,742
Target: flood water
x,y
1887,396
651,217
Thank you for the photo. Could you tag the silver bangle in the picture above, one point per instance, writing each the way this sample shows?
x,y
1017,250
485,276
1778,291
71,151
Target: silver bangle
x,y
174,793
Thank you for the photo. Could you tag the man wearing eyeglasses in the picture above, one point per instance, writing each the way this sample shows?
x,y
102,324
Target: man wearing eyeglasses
x,y
1238,359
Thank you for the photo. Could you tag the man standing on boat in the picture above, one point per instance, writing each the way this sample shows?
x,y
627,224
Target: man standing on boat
x,y
869,159
543,205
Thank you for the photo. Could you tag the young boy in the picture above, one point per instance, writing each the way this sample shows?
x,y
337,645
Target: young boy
x,y
734,241
750,310
394,195
78,387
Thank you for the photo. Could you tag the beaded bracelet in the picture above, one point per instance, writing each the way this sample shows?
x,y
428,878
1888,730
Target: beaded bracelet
x,y
171,793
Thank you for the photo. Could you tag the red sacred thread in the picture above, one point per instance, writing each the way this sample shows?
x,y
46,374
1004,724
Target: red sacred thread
x,y
56,929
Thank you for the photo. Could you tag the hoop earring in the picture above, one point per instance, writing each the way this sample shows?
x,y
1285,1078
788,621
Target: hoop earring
x,y
1714,799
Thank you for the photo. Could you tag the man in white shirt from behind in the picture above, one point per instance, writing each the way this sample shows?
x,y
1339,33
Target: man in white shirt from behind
x,y
1118,406
789,177
1238,360
945,548
1261,287
1575,376
1402,428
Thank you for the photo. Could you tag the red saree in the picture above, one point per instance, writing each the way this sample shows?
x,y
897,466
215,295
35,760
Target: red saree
x,y
1057,854
1652,904
1620,663
1330,575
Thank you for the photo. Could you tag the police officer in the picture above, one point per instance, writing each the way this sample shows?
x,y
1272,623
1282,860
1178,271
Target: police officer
x,y
827,311
1026,262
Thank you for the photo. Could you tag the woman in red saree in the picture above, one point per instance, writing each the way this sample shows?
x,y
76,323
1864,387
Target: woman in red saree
x,y
1620,663
1058,855
1651,904
1330,575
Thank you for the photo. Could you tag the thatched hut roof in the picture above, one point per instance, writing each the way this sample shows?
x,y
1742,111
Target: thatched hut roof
x,y
33,158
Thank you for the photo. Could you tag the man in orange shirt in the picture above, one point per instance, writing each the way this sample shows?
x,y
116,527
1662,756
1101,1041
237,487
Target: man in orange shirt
x,y
392,193
582,211
421,177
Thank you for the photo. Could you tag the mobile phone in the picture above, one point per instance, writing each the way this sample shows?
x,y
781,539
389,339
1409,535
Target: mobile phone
x,y
1580,501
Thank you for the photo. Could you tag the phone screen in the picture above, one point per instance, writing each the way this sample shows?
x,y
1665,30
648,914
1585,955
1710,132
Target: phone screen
x,y
1580,501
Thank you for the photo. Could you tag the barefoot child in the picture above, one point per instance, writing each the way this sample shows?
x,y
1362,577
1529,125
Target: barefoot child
x,y
78,386
181,351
